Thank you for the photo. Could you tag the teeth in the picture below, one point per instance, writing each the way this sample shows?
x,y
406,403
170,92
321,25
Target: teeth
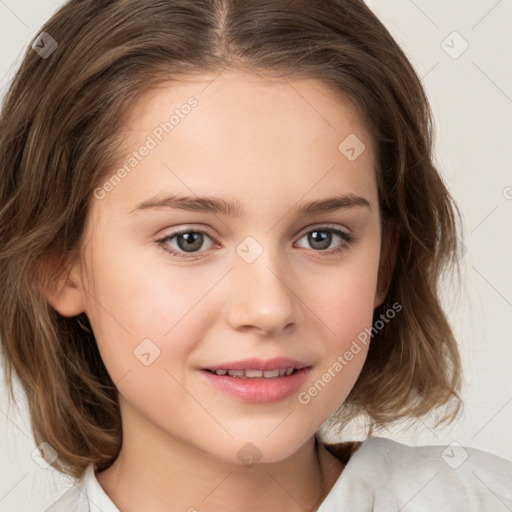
x,y
255,374
236,373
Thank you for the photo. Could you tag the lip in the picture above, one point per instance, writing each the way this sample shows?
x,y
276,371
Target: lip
x,y
257,390
259,364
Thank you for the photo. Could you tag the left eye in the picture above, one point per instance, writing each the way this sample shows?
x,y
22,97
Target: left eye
x,y
323,236
190,241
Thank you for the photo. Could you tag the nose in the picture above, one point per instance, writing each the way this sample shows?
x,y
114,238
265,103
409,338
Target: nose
x,y
262,295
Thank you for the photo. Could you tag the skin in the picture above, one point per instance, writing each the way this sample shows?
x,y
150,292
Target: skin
x,y
270,144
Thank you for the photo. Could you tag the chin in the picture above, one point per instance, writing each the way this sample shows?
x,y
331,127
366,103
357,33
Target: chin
x,y
259,449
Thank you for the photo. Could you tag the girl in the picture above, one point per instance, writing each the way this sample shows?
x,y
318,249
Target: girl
x,y
221,230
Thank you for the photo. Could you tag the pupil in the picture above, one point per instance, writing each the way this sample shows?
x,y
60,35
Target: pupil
x,y
325,239
195,238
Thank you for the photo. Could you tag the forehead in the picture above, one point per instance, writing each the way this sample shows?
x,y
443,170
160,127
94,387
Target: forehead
x,y
245,136
240,102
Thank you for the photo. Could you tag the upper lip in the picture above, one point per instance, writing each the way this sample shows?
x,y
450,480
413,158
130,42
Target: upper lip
x,y
259,364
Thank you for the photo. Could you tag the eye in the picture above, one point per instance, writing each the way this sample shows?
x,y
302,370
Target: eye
x,y
321,238
187,240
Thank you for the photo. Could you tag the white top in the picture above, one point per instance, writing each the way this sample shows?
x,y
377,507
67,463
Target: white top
x,y
381,476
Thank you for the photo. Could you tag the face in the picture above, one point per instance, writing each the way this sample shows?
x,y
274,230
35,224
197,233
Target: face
x,y
176,290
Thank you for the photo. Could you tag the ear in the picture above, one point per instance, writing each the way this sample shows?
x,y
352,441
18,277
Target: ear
x,y
61,285
389,249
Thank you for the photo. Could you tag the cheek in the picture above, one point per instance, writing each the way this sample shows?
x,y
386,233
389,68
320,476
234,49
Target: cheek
x,y
346,310
348,303
140,307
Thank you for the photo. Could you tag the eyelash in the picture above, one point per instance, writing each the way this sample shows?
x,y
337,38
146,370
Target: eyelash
x,y
347,239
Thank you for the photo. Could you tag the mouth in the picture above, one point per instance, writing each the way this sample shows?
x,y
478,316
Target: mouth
x,y
257,381
255,374
254,368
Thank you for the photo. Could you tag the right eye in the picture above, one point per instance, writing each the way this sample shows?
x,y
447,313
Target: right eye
x,y
187,240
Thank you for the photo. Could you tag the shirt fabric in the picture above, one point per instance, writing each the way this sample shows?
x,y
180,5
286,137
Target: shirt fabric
x,y
381,476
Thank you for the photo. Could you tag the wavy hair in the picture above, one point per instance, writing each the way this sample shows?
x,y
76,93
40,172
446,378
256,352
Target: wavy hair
x,y
60,136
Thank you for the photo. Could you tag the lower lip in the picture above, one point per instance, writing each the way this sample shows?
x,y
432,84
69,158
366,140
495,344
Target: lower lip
x,y
258,390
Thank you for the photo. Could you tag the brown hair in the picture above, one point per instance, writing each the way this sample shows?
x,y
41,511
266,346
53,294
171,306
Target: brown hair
x,y
61,134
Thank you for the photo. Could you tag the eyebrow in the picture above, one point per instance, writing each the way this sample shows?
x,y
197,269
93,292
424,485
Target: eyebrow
x,y
234,208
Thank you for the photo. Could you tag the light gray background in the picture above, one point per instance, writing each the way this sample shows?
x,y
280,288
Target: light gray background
x,y
471,97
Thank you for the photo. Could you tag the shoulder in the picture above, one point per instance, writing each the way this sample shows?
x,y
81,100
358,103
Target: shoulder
x,y
85,495
73,500
452,477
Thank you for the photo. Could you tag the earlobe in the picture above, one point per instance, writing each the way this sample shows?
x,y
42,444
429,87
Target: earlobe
x,y
387,264
61,287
